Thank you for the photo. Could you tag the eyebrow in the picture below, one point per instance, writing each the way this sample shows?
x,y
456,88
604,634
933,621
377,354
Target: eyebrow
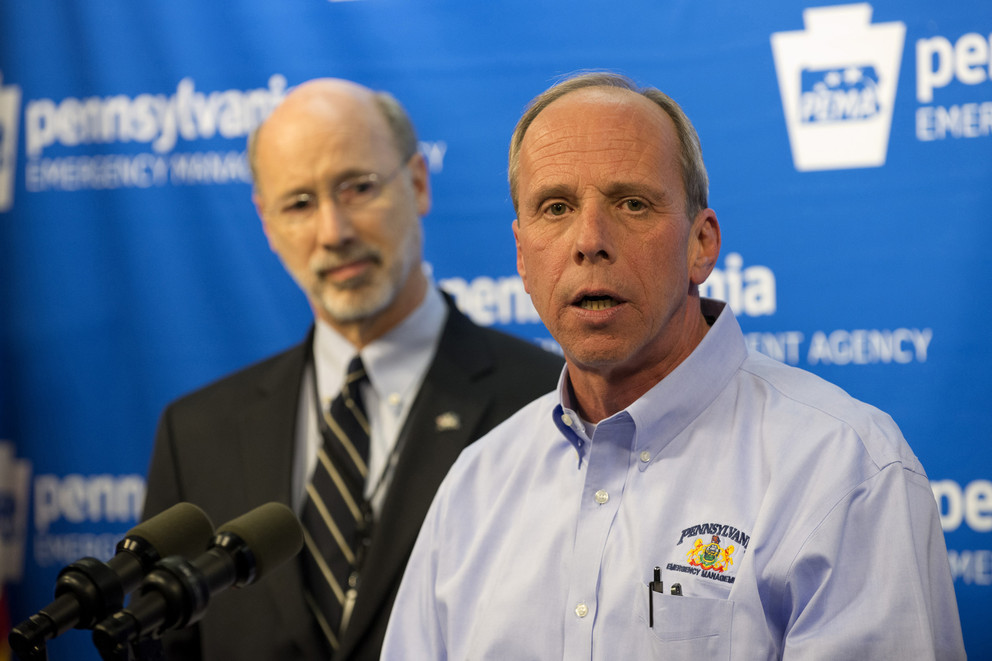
x,y
615,189
626,188
551,191
295,192
351,173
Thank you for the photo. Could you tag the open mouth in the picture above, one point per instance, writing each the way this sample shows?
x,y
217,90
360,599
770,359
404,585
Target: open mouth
x,y
597,303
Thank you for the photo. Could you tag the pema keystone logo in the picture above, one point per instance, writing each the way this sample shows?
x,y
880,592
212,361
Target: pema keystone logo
x,y
838,82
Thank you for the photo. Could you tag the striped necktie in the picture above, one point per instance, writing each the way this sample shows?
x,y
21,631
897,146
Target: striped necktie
x,y
336,516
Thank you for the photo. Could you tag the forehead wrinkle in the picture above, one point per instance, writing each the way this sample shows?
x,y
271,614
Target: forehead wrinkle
x,y
630,164
617,159
572,155
605,140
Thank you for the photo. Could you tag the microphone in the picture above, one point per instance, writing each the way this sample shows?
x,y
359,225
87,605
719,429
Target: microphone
x,y
176,593
89,590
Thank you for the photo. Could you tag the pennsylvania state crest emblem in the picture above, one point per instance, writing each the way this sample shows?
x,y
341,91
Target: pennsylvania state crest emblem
x,y
712,556
716,559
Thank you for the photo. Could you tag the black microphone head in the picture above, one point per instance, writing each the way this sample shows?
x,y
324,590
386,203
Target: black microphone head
x,y
271,532
183,529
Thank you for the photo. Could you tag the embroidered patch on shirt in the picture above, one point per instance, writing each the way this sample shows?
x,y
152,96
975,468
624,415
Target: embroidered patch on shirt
x,y
711,550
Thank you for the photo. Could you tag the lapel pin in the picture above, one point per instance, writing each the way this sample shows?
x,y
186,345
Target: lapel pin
x,y
448,421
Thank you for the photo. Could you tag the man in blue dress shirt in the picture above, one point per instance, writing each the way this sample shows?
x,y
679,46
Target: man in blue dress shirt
x,y
677,496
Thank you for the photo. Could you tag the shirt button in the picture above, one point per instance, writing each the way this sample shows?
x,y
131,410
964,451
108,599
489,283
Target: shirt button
x,y
645,456
395,399
567,419
581,610
602,496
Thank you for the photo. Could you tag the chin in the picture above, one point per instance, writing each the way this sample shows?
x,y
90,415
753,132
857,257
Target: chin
x,y
357,304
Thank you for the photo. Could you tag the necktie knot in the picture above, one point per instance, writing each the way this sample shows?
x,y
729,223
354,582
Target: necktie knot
x,y
356,369
354,377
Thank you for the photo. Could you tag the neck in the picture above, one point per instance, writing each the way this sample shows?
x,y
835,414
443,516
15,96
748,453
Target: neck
x,y
601,391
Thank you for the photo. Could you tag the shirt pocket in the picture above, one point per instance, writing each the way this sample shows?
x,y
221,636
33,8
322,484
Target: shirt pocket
x,y
688,627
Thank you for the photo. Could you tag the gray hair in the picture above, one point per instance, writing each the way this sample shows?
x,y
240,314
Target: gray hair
x,y
397,119
694,178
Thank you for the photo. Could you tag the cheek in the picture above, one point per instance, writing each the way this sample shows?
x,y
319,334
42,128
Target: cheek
x,y
388,231
545,283
295,252
545,247
671,250
542,263
661,269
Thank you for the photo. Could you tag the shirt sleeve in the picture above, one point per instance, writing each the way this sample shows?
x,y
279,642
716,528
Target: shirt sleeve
x,y
872,580
414,630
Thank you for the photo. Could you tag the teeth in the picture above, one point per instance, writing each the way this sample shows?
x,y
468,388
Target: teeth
x,y
596,304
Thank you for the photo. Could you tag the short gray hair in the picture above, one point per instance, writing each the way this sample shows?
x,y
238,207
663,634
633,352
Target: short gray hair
x,y
694,178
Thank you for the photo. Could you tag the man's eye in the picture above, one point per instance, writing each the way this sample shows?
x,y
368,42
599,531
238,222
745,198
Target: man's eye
x,y
358,190
298,203
557,208
635,205
363,187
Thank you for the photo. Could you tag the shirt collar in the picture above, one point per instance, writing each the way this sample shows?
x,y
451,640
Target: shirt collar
x,y
663,412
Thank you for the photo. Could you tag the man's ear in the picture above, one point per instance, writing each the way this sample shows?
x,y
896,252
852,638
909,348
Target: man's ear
x,y
521,268
704,246
420,176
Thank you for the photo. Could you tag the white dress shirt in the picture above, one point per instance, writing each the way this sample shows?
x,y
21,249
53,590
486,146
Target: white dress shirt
x,y
396,364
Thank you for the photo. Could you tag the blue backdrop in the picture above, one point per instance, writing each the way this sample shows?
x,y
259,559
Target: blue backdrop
x,y
849,149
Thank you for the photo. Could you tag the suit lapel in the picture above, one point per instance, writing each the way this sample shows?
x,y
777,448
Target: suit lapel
x,y
267,443
442,421
267,433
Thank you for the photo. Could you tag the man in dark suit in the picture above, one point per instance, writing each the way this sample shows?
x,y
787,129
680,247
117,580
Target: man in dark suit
x,y
340,189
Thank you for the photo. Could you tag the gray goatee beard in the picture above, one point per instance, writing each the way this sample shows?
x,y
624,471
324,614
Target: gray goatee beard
x,y
366,295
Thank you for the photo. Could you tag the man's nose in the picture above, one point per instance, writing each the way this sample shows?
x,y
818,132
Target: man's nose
x,y
334,225
594,240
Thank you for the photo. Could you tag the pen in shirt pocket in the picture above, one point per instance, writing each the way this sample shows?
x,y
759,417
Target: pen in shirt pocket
x,y
658,586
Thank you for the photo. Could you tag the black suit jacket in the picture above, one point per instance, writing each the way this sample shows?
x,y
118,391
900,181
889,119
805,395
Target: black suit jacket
x,y
229,448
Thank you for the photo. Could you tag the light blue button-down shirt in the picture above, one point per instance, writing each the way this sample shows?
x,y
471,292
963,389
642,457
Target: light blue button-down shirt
x,y
795,519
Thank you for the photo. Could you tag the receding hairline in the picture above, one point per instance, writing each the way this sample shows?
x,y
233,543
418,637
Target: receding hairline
x,y
401,130
631,100
694,177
